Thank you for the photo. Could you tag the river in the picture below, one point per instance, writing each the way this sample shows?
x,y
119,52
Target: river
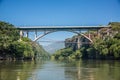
x,y
60,70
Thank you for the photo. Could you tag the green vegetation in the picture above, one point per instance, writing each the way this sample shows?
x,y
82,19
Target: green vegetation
x,y
67,53
12,48
105,46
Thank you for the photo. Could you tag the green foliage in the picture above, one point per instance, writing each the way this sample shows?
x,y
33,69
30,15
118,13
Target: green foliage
x,y
115,26
115,49
67,53
63,53
104,49
8,32
107,48
25,39
76,55
117,36
39,52
11,47
16,49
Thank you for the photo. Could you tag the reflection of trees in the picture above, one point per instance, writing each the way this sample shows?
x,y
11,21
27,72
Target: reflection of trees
x,y
92,70
78,71
17,70
108,70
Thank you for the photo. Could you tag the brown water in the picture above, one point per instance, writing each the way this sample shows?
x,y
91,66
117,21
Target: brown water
x,y
60,70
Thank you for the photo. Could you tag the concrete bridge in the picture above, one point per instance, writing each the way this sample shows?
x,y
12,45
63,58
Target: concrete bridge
x,y
24,31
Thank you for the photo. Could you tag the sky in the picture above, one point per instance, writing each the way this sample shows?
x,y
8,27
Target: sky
x,y
60,13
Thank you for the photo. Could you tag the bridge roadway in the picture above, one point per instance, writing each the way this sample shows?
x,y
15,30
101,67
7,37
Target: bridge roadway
x,y
41,28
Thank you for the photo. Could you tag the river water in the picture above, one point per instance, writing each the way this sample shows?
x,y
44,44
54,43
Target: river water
x,y
60,70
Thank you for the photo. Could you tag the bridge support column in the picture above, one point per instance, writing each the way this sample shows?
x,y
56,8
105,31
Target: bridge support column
x,y
98,33
89,35
108,32
21,35
78,42
35,34
27,34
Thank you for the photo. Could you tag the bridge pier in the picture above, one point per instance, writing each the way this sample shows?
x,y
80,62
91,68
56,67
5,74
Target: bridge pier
x,y
27,34
108,32
35,34
21,35
89,35
78,42
98,33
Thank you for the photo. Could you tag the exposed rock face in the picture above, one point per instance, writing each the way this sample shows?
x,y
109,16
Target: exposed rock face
x,y
76,42
71,42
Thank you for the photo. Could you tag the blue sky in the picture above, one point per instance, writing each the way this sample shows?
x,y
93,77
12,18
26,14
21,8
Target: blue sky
x,y
59,12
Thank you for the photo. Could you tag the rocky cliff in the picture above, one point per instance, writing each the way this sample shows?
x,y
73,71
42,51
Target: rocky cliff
x,y
76,42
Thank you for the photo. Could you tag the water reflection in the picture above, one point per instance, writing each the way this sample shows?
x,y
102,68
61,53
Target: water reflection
x,y
93,70
60,70
19,70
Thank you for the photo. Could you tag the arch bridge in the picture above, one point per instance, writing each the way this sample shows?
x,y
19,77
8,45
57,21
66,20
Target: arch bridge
x,y
50,29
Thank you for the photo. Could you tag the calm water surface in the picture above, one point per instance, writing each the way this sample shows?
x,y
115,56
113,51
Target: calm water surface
x,y
60,70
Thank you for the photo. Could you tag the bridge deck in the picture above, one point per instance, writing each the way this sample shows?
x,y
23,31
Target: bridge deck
x,y
61,27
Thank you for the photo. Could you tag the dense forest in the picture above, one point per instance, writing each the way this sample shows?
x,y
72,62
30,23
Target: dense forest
x,y
11,48
106,45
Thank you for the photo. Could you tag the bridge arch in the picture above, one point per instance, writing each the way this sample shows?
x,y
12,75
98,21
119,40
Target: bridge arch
x,y
51,29
48,32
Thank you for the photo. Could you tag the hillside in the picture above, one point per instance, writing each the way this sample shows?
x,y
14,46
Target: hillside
x,y
106,45
52,48
11,48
